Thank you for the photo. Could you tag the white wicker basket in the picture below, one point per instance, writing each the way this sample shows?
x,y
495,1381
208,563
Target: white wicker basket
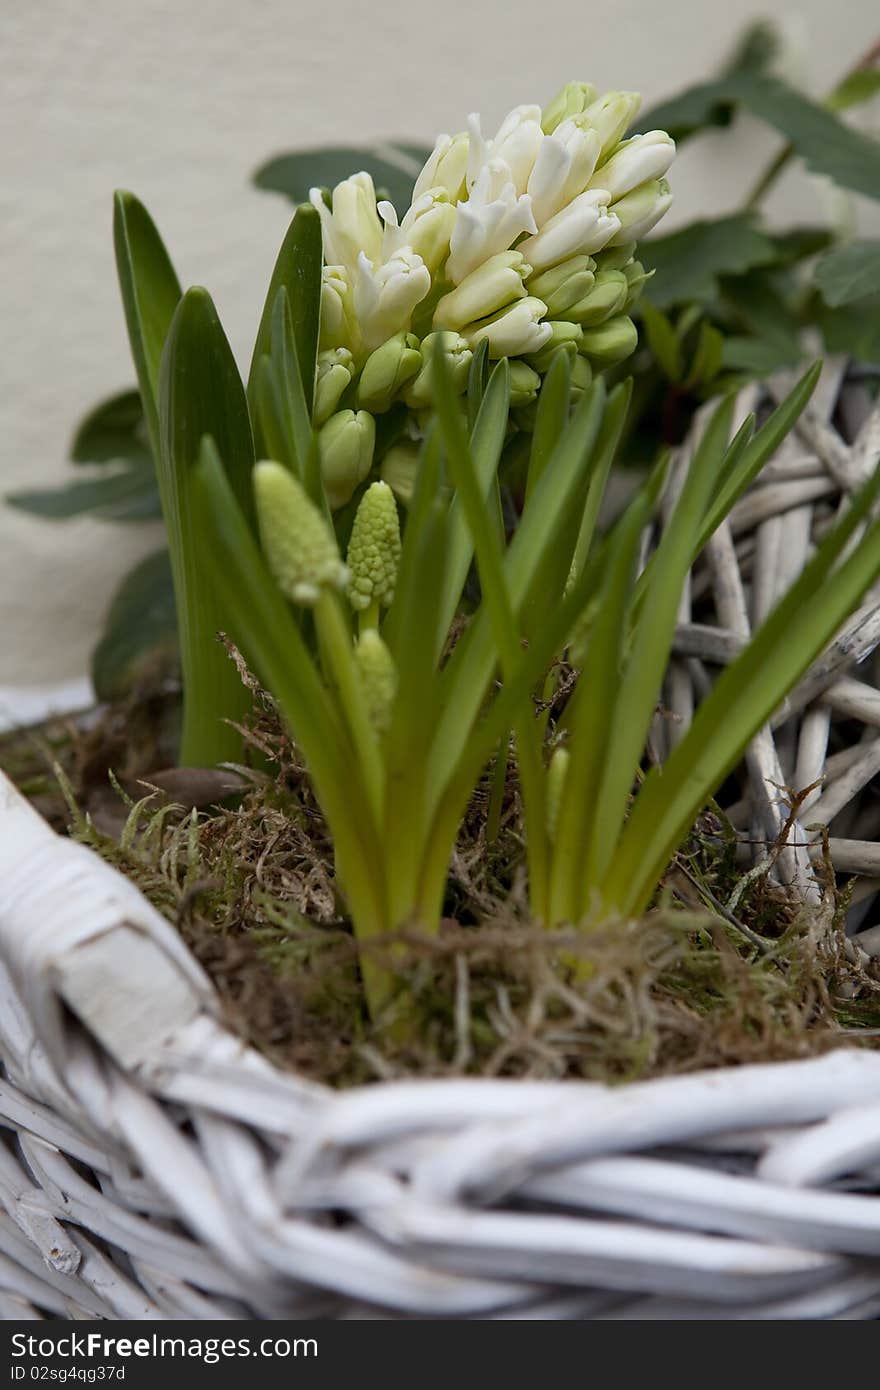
x,y
154,1167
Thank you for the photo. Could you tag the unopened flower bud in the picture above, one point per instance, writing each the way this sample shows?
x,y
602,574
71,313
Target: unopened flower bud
x,y
337,330
346,447
636,160
612,116
513,331
581,376
420,392
615,257
581,228
606,298
386,294
636,279
564,285
487,289
611,341
378,675
353,227
445,167
374,549
387,370
563,337
524,383
425,229
299,545
570,101
399,470
335,370
641,210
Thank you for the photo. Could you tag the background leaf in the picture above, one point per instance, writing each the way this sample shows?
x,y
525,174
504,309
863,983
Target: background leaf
x,y
140,634
689,262
113,429
854,329
128,493
851,272
393,168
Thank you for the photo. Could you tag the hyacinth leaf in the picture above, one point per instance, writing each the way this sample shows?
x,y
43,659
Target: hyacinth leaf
x,y
298,271
760,448
851,272
260,623
743,699
590,718
651,641
277,397
477,379
150,294
550,418
393,168
488,549
140,631
200,392
486,443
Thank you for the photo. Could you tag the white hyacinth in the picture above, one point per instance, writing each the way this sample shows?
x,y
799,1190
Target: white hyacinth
x,y
498,241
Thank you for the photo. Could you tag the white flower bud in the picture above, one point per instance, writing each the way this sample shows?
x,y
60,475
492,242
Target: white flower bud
x,y
612,116
337,329
425,229
514,331
490,221
516,145
335,370
445,167
420,393
584,226
641,210
353,227
643,157
570,101
346,447
386,294
486,290
563,167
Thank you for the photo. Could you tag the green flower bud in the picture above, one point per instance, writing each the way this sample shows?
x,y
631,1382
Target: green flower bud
x,y
378,676
374,549
556,775
299,546
564,285
399,470
611,116
524,383
420,392
346,448
640,210
615,257
564,337
387,370
581,376
335,369
494,284
607,297
636,279
611,341
570,101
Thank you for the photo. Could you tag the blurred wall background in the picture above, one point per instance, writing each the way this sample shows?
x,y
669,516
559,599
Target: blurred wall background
x,y
180,102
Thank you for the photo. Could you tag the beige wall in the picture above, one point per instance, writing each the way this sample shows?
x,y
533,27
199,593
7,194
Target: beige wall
x,y
178,101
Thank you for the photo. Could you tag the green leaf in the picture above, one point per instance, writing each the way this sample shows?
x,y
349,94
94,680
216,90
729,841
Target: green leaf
x,y
816,134
852,272
298,271
114,429
858,87
688,263
853,329
128,493
393,168
201,394
744,698
662,340
754,355
799,243
140,633
150,294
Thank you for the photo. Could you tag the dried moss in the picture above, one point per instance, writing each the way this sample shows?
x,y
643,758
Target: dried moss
x,y
250,885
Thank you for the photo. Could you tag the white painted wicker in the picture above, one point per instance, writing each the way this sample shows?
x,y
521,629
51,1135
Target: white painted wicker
x,y
154,1167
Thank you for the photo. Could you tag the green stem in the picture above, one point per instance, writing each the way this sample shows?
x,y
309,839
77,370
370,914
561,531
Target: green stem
x,y
335,641
499,785
369,617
